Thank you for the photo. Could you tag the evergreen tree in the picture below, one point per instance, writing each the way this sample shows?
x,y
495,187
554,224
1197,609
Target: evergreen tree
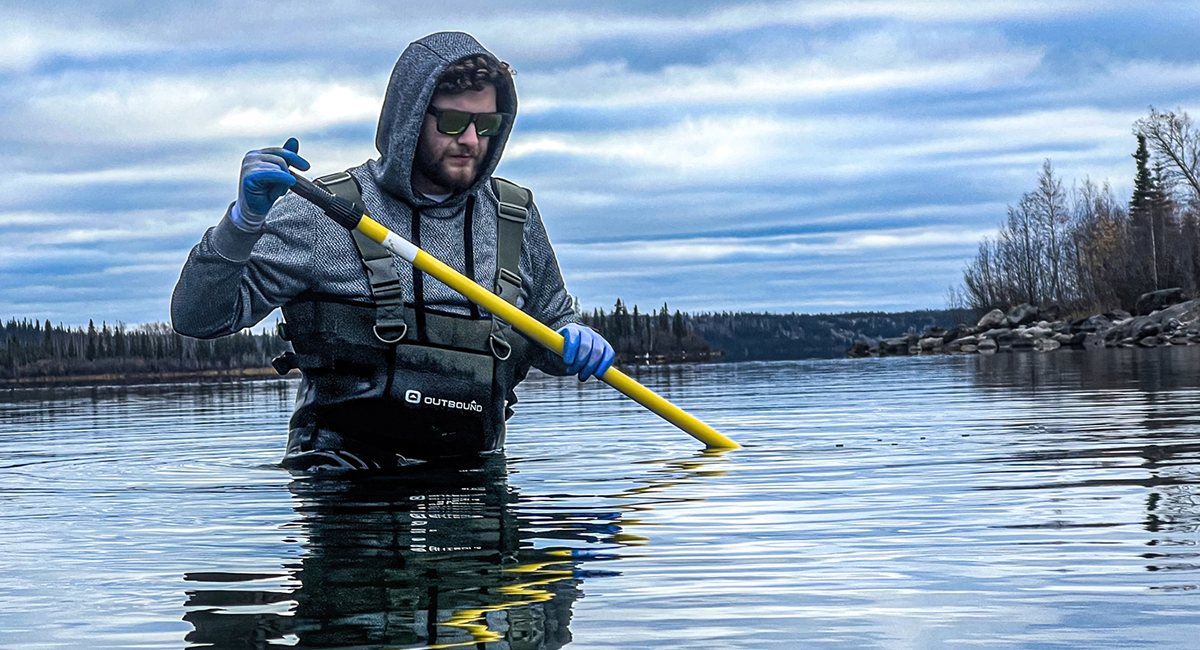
x,y
1145,232
91,341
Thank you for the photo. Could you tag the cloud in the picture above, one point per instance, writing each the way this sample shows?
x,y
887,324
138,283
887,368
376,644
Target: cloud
x,y
941,11
125,108
708,249
805,284
717,155
25,43
38,235
878,62
81,30
568,33
763,148
1141,82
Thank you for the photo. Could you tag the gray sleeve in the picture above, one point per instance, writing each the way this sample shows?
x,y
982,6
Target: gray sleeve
x,y
544,291
233,279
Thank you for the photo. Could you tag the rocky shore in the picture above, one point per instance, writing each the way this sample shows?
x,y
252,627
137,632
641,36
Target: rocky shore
x,y
1165,318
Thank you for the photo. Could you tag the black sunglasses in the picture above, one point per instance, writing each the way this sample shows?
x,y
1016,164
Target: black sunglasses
x,y
452,122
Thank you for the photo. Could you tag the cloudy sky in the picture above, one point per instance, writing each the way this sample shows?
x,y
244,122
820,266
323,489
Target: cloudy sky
x,y
775,156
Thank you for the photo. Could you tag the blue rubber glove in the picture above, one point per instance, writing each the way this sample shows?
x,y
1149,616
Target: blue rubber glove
x,y
585,351
264,179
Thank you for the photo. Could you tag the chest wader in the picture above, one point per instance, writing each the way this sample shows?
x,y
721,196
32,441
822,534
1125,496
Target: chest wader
x,y
386,382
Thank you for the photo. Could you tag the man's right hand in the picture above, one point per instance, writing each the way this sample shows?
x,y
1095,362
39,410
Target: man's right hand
x,y
265,178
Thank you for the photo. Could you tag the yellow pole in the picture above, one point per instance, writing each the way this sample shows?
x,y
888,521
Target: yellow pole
x,y
534,329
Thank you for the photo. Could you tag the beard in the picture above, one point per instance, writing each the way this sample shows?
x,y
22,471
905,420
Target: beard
x,y
435,168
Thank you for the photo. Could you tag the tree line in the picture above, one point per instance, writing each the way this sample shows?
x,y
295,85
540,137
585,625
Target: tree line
x,y
29,348
33,349
663,336
1087,251
656,336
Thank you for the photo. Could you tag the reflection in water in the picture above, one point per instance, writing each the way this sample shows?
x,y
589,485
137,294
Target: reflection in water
x,y
1142,433
1017,501
436,558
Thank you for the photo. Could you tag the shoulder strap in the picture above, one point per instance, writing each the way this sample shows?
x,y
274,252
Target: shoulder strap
x,y
513,212
390,326
510,236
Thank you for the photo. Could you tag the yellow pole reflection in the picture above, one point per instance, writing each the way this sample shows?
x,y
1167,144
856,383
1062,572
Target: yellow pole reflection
x,y
473,620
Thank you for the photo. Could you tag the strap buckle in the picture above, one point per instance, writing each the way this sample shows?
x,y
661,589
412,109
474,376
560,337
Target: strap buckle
x,y
513,212
508,284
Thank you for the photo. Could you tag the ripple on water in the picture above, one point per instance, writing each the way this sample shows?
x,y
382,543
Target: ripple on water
x,y
1019,501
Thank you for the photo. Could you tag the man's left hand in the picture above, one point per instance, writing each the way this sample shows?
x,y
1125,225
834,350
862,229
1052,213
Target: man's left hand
x,y
585,351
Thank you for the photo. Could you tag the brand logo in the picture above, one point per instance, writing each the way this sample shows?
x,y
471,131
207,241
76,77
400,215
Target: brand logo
x,y
415,397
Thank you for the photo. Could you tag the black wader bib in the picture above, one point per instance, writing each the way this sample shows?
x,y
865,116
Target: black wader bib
x,y
384,382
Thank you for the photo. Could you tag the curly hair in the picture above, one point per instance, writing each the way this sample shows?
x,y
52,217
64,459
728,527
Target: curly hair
x,y
472,73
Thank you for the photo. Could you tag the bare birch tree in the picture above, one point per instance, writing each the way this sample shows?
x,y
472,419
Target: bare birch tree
x,y
1174,142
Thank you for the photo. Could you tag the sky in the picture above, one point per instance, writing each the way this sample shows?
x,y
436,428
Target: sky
x,y
808,157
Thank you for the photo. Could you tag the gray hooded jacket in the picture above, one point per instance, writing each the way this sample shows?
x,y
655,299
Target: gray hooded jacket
x,y
234,279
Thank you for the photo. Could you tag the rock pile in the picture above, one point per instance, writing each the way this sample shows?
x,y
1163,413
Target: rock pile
x,y
1169,319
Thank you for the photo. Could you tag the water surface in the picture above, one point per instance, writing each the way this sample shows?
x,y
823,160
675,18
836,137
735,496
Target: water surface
x,y
1013,501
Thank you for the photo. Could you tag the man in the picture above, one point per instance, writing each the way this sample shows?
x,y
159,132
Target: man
x,y
397,367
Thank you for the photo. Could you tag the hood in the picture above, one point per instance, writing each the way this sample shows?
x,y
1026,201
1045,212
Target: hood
x,y
409,91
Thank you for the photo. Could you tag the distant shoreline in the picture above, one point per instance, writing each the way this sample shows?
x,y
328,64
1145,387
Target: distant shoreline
x,y
131,378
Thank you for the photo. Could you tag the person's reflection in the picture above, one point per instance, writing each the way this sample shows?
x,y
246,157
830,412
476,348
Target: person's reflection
x,y
429,558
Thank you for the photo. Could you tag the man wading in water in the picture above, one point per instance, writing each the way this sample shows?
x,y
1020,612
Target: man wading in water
x,y
396,366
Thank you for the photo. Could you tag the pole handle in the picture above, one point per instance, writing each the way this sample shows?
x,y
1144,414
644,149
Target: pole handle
x,y
346,213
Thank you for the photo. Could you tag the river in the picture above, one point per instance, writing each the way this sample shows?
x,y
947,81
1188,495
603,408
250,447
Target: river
x,y
1012,501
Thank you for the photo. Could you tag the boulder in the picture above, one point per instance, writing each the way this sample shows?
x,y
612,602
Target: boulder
x,y
1051,312
1035,332
990,320
1156,300
957,332
1020,342
894,346
1097,323
1027,327
859,350
1022,314
1138,327
1185,313
1046,345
